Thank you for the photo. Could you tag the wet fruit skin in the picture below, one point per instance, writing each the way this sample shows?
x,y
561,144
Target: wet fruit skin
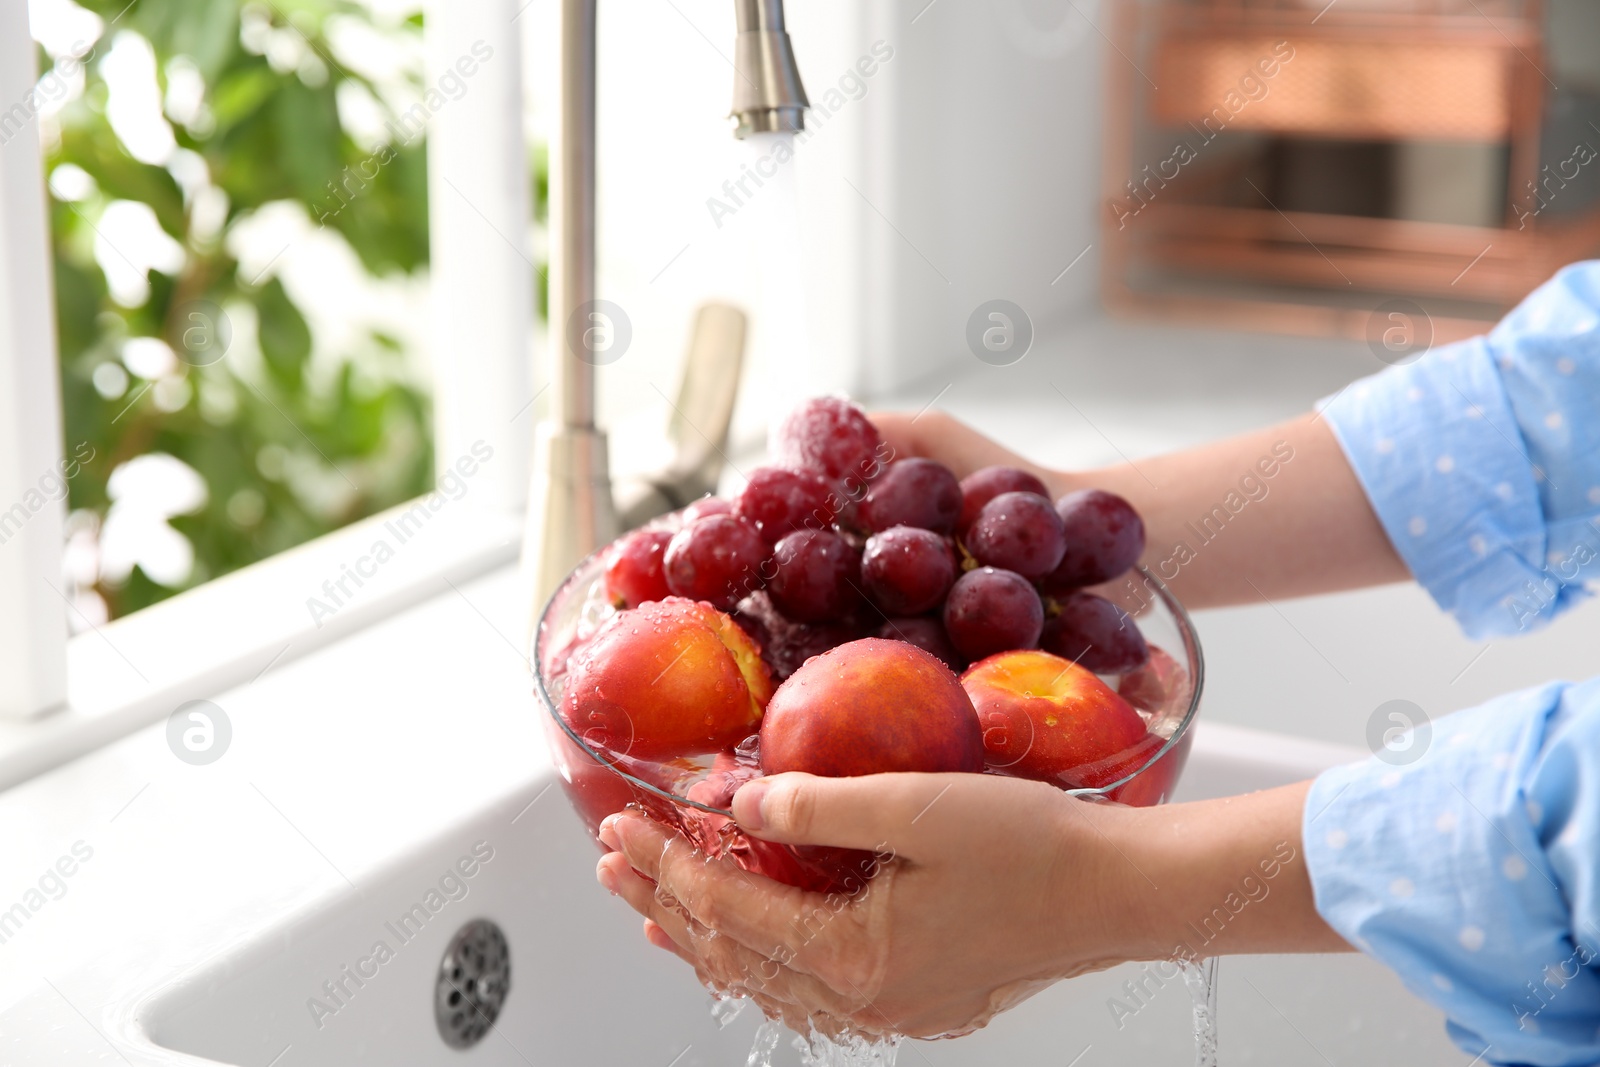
x,y
1017,532
907,571
1094,633
719,559
927,633
814,576
670,678
634,572
814,868
786,644
1152,784
868,707
982,486
778,501
833,437
912,492
1046,718
991,610
705,507
1104,537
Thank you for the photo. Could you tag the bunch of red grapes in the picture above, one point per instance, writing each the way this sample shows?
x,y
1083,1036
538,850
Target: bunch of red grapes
x,y
840,540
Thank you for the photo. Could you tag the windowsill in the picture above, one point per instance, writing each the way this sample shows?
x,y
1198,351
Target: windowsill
x,y
137,670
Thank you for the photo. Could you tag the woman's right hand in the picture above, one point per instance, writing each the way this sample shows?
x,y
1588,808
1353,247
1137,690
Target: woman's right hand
x,y
1315,533
937,436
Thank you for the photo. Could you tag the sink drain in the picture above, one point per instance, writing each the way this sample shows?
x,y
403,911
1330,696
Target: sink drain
x,y
474,978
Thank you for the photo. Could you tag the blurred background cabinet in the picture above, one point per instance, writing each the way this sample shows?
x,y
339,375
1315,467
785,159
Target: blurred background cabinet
x,y
1291,164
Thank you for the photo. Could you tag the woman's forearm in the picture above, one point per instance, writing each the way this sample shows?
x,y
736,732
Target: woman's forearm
x,y
1217,877
1268,514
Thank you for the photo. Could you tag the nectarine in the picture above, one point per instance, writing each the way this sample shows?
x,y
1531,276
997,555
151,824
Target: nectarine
x,y
672,677
1045,717
871,706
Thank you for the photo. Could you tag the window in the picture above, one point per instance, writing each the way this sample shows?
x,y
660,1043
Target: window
x,y
238,217
240,212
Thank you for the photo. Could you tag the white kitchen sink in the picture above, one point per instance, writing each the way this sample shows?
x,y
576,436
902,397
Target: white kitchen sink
x,y
585,988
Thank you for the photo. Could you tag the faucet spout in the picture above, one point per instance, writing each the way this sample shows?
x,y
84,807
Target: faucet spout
x,y
571,507
768,96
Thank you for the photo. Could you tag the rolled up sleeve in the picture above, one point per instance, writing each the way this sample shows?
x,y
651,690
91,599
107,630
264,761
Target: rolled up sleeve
x,y
1472,871
1482,460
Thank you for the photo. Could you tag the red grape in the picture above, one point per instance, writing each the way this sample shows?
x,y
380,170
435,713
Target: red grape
x,y
912,492
778,501
717,559
797,642
926,633
1017,532
705,507
814,575
980,487
786,644
802,640
1096,634
990,610
1104,537
634,568
833,437
907,571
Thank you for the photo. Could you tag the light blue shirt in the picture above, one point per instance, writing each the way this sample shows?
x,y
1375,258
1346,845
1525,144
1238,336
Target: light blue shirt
x,y
1473,870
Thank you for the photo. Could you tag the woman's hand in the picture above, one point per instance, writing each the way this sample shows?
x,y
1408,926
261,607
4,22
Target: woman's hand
x,y
935,435
988,892
1298,521
991,888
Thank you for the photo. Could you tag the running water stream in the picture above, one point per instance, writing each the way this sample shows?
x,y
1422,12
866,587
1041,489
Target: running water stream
x,y
767,229
817,1050
1200,976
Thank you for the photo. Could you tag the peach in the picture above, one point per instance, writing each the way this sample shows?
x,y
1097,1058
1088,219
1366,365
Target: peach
x,y
669,678
1151,785
1045,717
870,706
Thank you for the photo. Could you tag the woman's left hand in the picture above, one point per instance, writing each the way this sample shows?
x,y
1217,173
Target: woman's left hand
x,y
990,889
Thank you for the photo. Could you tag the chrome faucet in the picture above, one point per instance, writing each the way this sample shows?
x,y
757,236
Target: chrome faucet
x,y
767,94
572,510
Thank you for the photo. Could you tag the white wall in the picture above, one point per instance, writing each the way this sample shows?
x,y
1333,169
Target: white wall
x,y
977,141
989,167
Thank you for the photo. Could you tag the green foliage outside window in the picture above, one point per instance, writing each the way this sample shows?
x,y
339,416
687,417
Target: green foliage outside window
x,y
290,445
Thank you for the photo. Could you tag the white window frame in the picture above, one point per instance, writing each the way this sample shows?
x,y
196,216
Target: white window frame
x,y
61,696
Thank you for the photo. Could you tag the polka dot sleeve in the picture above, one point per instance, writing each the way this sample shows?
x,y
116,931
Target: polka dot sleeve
x,y
1471,870
1482,460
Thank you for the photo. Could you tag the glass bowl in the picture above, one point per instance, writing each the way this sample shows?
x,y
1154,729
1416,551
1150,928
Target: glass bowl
x,y
692,794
